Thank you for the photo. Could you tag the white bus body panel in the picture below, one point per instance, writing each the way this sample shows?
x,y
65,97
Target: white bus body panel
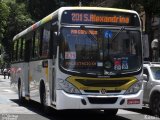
x,y
38,73
71,101
19,71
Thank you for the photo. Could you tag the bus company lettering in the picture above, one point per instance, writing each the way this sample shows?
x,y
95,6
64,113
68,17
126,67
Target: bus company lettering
x,y
79,17
86,63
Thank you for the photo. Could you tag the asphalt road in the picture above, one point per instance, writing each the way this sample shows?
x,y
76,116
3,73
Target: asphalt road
x,y
11,109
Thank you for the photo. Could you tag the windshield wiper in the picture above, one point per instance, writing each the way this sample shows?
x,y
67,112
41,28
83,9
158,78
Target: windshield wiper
x,y
88,33
114,37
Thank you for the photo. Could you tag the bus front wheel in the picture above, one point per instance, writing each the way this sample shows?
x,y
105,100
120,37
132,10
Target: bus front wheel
x,y
43,98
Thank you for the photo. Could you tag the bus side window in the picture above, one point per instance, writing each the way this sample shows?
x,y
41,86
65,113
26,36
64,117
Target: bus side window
x,y
53,41
45,43
53,45
28,50
16,54
14,51
37,44
33,46
20,53
22,49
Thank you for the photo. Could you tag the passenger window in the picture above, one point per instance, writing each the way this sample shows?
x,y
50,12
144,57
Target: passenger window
x,y
14,51
45,43
23,48
36,45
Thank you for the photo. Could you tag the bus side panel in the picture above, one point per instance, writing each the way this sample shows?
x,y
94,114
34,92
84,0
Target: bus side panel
x,y
51,82
37,72
19,72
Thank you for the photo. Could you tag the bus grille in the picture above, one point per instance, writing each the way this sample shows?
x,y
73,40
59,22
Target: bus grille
x,y
111,100
102,83
97,91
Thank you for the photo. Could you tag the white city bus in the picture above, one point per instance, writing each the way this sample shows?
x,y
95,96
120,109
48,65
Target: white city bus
x,y
81,58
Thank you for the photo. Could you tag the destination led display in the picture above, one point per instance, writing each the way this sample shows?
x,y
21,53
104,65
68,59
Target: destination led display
x,y
83,32
80,17
99,18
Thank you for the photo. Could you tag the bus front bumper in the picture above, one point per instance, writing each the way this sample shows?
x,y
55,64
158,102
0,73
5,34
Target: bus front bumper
x,y
74,101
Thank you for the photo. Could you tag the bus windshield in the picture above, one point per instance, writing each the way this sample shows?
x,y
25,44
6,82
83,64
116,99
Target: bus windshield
x,y
100,51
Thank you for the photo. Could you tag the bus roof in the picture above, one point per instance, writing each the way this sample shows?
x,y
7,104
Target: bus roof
x,y
98,8
55,14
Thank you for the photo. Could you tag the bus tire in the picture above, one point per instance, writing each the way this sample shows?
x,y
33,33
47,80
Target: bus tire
x,y
21,99
110,112
43,99
155,104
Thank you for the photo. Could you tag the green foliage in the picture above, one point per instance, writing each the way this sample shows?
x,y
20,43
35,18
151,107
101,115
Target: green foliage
x,y
71,2
41,8
17,20
76,2
4,13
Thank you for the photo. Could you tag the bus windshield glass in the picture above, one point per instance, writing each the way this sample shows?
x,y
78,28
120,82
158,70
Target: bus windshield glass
x,y
97,50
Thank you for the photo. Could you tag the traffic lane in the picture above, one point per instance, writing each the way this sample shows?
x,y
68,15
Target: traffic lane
x,y
67,114
11,110
146,112
32,109
11,106
131,114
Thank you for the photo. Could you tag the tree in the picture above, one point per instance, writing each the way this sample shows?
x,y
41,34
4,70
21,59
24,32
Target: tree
x,y
41,8
18,20
4,13
77,2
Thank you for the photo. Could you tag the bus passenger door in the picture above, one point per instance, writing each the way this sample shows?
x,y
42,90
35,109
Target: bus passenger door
x,y
27,57
53,55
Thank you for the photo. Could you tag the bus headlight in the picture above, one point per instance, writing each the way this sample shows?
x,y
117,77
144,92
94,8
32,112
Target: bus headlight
x,y
68,87
135,88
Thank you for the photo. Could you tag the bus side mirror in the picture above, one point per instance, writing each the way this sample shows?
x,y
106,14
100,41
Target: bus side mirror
x,y
145,77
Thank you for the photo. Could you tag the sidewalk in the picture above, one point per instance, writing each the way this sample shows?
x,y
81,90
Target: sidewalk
x,y
2,78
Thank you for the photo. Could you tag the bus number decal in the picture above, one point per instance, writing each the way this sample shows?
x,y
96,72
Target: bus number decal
x,y
125,63
77,17
70,55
